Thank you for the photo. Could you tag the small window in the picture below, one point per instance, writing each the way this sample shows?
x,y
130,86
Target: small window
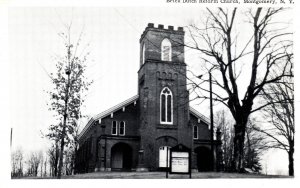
x,y
114,128
166,50
195,132
143,55
122,128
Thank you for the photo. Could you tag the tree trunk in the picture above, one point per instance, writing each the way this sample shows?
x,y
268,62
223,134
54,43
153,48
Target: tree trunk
x,y
291,160
61,154
63,134
238,142
45,168
74,160
56,159
42,168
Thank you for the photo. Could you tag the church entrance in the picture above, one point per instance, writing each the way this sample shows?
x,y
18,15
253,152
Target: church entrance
x,y
204,159
121,157
164,153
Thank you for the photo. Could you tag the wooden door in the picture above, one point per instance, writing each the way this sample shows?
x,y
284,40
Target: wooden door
x,y
117,159
164,151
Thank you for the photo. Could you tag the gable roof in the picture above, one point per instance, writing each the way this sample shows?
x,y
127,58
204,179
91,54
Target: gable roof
x,y
107,112
199,115
116,107
126,103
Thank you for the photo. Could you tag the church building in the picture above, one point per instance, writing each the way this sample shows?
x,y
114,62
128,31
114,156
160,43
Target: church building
x,y
136,134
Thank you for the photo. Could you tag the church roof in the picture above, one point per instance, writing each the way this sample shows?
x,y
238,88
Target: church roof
x,y
126,103
116,108
199,115
108,112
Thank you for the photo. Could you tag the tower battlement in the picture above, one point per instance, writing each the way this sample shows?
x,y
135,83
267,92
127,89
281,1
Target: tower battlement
x,y
163,28
162,43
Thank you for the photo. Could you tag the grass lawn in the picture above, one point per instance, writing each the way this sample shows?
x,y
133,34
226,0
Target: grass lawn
x,y
161,175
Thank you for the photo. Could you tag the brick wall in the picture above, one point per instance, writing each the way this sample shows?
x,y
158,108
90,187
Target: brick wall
x,y
154,75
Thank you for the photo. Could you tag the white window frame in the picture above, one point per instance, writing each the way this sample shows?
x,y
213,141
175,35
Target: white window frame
x,y
120,128
166,43
196,131
112,128
166,107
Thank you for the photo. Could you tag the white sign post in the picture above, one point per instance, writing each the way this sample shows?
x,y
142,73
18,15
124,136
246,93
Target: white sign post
x,y
180,160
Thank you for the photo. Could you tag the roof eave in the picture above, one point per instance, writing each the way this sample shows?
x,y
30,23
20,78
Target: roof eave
x,y
106,113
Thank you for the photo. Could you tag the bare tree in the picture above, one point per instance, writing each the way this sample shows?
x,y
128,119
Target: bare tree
x,y
280,116
53,153
255,145
42,164
225,125
17,163
69,152
13,164
268,47
33,163
45,167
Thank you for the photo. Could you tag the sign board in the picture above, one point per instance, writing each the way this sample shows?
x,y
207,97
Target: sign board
x,y
180,160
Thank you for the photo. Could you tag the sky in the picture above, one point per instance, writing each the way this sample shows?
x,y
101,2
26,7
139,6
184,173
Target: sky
x,y
113,35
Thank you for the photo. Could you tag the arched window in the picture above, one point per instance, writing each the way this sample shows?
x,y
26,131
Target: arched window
x,y
122,128
166,50
143,54
114,128
166,106
195,132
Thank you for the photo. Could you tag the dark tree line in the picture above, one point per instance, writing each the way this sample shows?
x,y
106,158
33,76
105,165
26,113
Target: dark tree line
x,y
69,160
35,164
53,153
17,163
254,145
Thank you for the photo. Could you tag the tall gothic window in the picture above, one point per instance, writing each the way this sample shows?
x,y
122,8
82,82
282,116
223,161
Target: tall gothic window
x,y
166,106
166,50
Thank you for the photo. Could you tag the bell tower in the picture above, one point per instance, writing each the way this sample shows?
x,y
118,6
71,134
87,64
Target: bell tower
x,y
163,95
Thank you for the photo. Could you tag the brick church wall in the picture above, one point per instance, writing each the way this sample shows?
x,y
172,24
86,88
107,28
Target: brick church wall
x,y
144,132
154,75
